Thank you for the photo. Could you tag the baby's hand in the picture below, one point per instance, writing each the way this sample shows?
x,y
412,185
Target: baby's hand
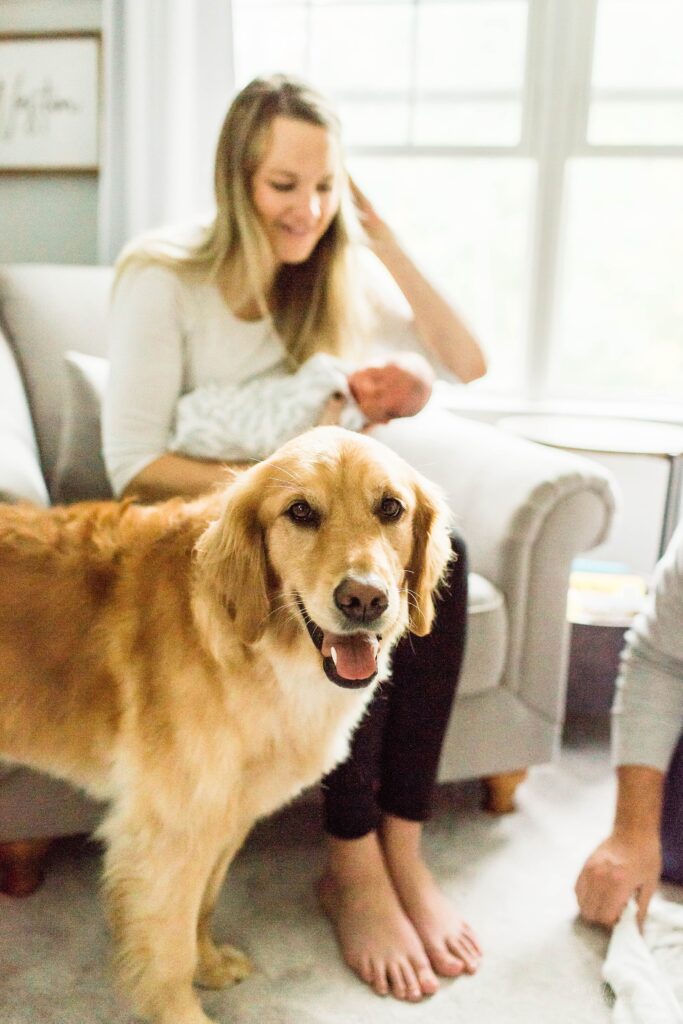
x,y
332,410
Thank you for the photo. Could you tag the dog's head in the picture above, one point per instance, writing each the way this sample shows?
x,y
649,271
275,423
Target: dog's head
x,y
335,536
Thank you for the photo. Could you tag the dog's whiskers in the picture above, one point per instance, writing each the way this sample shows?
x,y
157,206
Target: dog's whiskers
x,y
285,605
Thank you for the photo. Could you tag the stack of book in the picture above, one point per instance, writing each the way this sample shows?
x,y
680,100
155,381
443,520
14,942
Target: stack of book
x,y
604,594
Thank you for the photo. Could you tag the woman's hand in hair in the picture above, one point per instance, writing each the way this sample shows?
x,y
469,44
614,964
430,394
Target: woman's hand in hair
x,y
377,230
439,327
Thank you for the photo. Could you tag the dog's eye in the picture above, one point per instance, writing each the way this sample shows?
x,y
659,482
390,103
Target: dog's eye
x,y
301,512
391,508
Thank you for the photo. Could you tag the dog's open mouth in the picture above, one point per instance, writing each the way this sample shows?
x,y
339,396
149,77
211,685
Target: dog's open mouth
x,y
349,659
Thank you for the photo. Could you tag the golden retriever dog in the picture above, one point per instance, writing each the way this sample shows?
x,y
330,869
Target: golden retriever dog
x,y
197,664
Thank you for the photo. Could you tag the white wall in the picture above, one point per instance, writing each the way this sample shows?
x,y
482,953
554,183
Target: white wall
x,y
49,218
637,527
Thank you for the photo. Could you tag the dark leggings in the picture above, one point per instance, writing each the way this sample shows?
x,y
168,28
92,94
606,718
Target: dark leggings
x,y
396,748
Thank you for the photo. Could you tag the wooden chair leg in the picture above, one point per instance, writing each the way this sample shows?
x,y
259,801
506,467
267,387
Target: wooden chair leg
x,y
500,791
22,865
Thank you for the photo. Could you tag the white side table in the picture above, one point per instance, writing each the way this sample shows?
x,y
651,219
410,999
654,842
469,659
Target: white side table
x,y
612,436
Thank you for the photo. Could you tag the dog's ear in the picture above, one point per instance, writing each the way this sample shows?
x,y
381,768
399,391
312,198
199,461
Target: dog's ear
x,y
232,562
430,555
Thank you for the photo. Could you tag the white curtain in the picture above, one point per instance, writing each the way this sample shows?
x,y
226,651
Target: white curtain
x,y
168,79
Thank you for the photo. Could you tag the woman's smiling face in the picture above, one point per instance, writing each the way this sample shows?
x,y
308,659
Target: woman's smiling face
x,y
296,187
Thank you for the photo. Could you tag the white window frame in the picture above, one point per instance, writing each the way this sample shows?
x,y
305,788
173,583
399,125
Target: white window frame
x,y
555,101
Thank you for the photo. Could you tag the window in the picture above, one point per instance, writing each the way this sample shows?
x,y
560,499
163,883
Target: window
x,y
531,154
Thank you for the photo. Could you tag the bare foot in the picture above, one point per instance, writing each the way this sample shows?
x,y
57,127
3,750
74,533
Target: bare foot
x,y
377,940
448,940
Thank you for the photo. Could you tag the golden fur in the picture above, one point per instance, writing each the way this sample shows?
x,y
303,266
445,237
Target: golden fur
x,y
158,658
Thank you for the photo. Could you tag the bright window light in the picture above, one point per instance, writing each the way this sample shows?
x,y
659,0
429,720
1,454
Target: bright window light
x,y
530,154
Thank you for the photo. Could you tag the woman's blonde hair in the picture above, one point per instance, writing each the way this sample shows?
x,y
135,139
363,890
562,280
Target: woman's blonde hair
x,y
316,305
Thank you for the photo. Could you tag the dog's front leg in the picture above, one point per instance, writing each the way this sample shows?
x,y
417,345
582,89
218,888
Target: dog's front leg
x,y
155,877
219,966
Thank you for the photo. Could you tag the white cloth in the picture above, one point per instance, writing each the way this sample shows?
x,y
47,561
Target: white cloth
x,y
645,984
250,421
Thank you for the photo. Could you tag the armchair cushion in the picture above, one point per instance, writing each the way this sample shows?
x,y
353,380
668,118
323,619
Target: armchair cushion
x,y
21,478
80,470
47,310
487,638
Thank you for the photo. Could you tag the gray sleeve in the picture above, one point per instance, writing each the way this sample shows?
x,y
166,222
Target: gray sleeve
x,y
647,715
146,351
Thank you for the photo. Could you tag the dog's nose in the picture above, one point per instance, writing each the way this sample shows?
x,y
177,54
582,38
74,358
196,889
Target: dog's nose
x,y
361,600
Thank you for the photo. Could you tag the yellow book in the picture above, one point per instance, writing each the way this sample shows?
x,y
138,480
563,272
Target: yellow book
x,y
603,598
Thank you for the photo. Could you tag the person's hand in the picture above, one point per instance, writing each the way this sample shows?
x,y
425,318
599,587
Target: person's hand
x,y
332,410
621,867
377,230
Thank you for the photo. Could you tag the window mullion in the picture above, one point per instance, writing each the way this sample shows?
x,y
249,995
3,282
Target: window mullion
x,y
531,92
565,32
412,81
309,38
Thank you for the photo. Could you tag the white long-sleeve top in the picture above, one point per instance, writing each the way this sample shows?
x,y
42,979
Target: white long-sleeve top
x,y
170,334
239,422
647,716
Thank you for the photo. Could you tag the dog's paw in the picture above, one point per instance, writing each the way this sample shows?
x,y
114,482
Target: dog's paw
x,y
221,966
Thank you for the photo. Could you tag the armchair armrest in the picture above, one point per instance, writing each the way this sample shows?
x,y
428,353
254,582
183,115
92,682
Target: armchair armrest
x,y
21,478
525,511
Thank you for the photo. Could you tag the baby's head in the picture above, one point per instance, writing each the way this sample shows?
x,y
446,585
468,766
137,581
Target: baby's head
x,y
388,391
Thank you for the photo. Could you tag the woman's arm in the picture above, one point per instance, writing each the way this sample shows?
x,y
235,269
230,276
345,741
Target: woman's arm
x,y
146,354
172,476
147,341
439,327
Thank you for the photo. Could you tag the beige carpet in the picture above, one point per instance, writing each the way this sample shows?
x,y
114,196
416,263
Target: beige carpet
x,y
512,876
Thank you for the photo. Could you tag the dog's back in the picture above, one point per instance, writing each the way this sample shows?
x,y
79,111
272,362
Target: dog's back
x,y
65,573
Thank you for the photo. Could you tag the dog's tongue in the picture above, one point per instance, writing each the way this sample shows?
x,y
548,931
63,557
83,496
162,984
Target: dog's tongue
x,y
355,657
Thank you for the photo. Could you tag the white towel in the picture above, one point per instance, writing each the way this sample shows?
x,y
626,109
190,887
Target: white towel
x,y
646,972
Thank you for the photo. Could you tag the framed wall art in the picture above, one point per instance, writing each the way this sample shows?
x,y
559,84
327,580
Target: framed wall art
x,y
49,102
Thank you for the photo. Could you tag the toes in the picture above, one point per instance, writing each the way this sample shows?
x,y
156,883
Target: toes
x,y
401,979
465,935
462,948
472,939
414,992
379,978
365,971
447,962
399,989
426,979
411,983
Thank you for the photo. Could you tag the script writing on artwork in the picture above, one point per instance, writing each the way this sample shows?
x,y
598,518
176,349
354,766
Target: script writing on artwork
x,y
49,102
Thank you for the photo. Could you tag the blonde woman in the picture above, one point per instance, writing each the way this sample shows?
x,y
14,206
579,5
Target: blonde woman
x,y
272,280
